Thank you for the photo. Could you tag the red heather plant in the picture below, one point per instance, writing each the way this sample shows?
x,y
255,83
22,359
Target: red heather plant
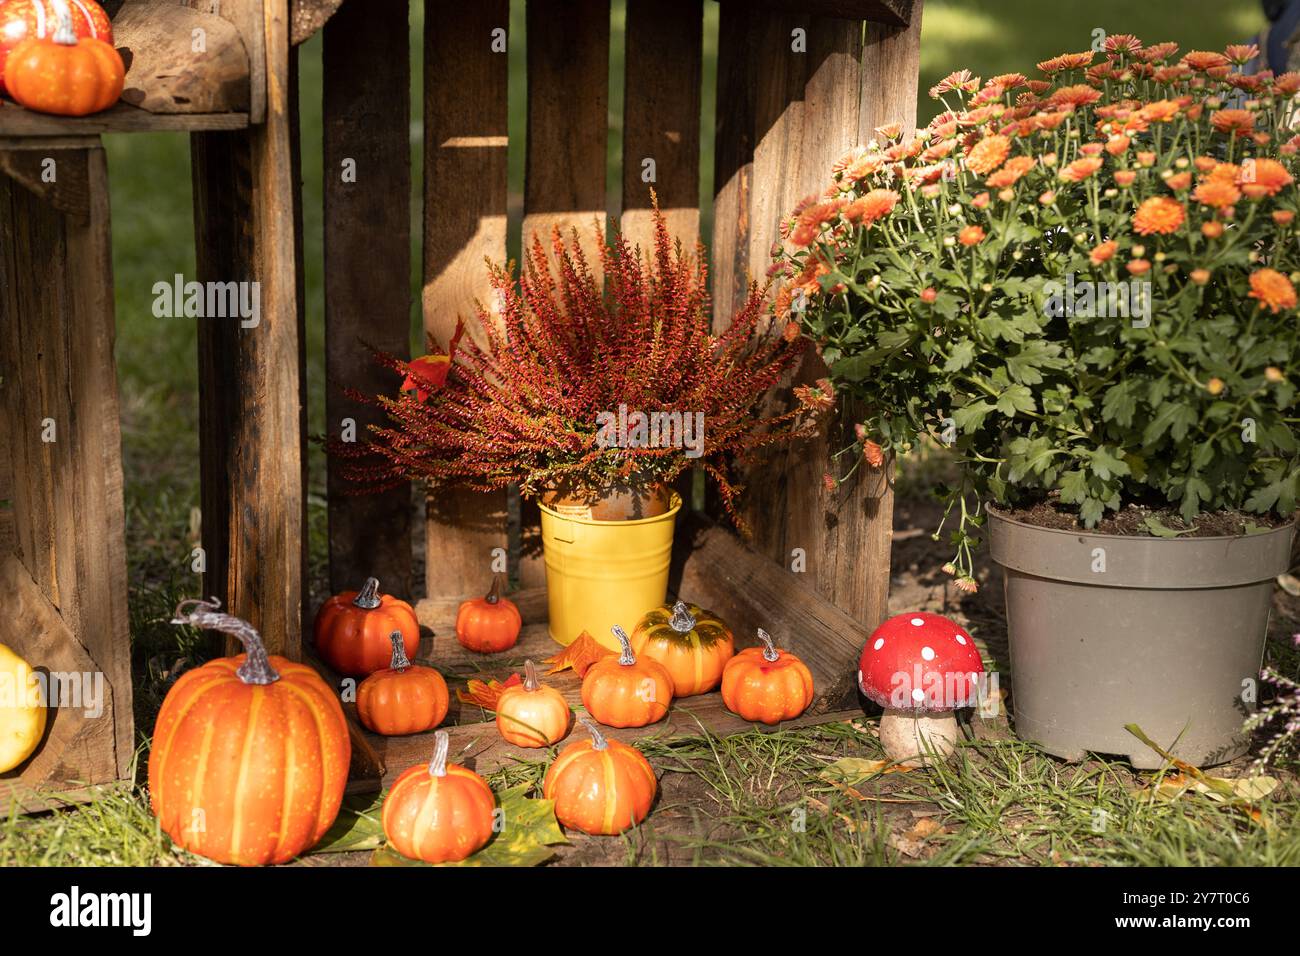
x,y
564,350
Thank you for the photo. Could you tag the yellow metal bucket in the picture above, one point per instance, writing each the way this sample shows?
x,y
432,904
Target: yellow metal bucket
x,y
602,573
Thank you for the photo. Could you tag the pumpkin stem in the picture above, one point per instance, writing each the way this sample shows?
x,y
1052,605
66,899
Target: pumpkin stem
x,y
530,675
441,744
494,592
770,653
256,668
400,661
598,741
63,32
682,621
627,658
368,597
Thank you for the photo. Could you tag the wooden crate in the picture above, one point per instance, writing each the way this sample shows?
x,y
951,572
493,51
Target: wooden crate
x,y
799,81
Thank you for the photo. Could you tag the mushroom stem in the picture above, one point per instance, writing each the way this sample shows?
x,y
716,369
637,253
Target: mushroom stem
x,y
916,738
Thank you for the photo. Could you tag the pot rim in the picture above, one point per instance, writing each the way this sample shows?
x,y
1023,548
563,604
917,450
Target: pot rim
x,y
1001,516
674,506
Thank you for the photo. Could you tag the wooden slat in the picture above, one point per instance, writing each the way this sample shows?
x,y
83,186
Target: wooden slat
x,y
367,166
67,528
250,19
465,137
564,170
807,110
165,74
250,379
309,16
568,119
891,51
896,12
661,118
121,118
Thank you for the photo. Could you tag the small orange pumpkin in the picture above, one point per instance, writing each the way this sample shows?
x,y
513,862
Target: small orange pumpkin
x,y
488,624
352,629
625,692
532,714
250,753
766,684
439,813
691,642
404,698
600,786
64,74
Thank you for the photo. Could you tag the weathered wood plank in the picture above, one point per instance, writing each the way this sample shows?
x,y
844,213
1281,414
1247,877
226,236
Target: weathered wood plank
x,y
465,138
250,379
166,73
890,64
367,223
120,118
898,12
250,19
661,118
309,16
58,389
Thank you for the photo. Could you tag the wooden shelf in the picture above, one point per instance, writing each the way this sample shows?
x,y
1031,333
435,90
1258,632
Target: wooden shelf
x,y
121,118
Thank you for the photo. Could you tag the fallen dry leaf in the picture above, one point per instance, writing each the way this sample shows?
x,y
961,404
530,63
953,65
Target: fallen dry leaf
x,y
486,695
579,655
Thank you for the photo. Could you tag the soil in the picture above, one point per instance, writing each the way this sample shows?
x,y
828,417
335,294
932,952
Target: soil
x,y
1133,521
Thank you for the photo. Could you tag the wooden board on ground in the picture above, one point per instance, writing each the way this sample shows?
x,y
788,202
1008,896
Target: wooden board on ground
x,y
367,164
714,569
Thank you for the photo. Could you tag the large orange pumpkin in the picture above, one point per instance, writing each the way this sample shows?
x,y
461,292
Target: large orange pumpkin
x,y
64,75
488,624
441,812
600,786
250,753
625,692
532,714
24,19
766,684
689,641
352,628
403,698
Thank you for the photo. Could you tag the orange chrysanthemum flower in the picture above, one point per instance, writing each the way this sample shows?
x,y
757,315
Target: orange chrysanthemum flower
x,y
988,154
1179,181
1204,60
1241,53
1158,215
1079,95
874,205
1081,169
1262,177
1217,193
1160,111
971,236
1273,290
1237,122
1157,51
1103,252
1066,61
1012,170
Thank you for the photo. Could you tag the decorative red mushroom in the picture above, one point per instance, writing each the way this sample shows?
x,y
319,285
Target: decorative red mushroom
x,y
919,667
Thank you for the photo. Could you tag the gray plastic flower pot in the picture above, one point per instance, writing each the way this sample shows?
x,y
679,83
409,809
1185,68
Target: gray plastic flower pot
x,y
1109,630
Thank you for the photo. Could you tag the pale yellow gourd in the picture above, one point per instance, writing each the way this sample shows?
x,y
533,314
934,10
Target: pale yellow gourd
x,y
22,710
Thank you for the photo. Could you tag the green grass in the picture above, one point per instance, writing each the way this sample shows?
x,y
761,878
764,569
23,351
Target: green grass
x,y
733,800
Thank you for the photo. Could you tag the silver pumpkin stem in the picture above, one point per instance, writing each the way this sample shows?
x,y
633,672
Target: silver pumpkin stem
x,y
400,661
441,744
530,675
682,621
627,658
598,741
368,597
770,653
205,615
64,35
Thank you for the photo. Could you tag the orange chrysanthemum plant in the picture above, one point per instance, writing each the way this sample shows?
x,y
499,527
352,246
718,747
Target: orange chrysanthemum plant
x,y
532,405
1084,283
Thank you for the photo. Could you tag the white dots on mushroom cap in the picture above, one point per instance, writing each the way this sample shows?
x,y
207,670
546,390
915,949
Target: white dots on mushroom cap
x,y
880,642
927,653
961,640
918,622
